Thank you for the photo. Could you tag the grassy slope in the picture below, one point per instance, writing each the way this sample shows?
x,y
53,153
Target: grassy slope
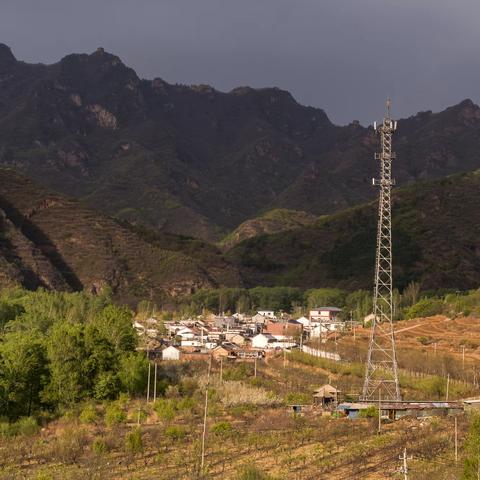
x,y
270,437
272,221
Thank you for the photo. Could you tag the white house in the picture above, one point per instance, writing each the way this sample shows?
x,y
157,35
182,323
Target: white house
x,y
171,353
191,343
319,329
185,333
304,321
262,340
325,313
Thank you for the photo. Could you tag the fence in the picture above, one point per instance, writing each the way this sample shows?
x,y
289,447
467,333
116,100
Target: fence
x,y
321,353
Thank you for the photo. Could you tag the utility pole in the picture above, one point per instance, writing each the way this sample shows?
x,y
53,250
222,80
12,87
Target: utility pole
x,y
379,410
155,383
448,387
404,468
148,382
381,370
204,430
204,434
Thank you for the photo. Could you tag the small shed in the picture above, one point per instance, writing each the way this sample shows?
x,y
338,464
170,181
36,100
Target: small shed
x,y
225,351
326,396
171,353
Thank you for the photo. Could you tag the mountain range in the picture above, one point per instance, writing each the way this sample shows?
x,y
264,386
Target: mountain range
x,y
195,161
156,190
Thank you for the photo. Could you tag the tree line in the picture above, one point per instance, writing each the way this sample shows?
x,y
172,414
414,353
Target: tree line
x,y
60,348
411,302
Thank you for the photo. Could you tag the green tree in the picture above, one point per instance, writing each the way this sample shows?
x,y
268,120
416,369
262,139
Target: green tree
x,y
359,303
115,325
23,373
133,372
107,386
66,354
323,297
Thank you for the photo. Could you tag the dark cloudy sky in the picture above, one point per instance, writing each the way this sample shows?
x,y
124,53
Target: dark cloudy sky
x,y
344,56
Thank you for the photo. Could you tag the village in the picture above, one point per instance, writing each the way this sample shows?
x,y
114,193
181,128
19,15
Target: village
x,y
238,336
265,335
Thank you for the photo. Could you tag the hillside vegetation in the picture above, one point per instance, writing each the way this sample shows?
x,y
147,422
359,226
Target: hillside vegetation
x,y
47,240
273,221
436,231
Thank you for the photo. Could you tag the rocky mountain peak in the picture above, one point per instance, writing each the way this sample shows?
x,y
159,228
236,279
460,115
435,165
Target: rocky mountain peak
x,y
7,59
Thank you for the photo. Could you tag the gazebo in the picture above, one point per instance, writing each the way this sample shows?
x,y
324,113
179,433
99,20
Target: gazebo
x,y
326,396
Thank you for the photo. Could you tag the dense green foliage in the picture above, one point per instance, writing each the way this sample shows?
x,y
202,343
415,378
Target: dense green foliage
x,y
59,348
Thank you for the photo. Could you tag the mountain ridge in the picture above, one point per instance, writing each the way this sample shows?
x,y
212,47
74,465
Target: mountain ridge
x,y
192,160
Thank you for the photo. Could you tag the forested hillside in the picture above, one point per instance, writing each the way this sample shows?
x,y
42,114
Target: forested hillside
x,y
436,231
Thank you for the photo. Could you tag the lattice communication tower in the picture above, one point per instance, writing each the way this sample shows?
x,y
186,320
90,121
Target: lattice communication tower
x,y
381,376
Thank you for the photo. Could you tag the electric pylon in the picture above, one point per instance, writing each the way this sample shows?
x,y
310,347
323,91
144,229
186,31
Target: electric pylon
x,y
381,376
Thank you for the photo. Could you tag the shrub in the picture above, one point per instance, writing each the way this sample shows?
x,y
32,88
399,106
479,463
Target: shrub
x,y
222,429
6,430
425,340
370,412
27,426
186,404
427,307
44,476
115,415
294,398
188,387
165,409
467,343
251,472
70,445
88,414
99,446
133,441
175,432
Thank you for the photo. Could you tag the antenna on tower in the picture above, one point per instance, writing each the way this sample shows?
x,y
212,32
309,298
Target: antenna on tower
x,y
381,376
